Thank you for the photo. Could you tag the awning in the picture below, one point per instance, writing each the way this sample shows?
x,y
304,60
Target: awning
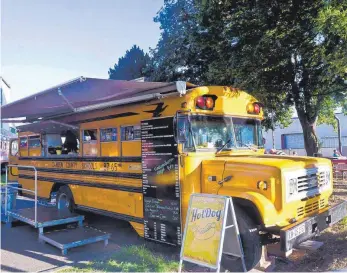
x,y
80,93
47,127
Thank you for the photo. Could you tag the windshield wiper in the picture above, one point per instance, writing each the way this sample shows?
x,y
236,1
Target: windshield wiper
x,y
226,143
249,146
191,131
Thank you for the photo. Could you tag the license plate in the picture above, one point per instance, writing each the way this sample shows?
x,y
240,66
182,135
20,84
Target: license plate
x,y
295,232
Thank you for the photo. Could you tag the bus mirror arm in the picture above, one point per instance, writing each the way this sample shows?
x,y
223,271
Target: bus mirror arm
x,y
174,126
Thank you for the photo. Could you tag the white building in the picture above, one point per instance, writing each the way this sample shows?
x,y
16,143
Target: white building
x,y
7,130
291,138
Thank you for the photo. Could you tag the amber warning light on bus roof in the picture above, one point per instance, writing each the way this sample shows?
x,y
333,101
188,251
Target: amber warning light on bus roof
x,y
254,108
206,102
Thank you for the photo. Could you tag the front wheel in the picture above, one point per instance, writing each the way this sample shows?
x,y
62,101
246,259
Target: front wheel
x,y
251,244
64,199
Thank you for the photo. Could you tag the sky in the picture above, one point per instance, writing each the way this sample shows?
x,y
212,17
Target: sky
x,y
45,43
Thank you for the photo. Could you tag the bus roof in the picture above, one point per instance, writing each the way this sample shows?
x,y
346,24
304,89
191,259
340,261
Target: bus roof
x,y
82,94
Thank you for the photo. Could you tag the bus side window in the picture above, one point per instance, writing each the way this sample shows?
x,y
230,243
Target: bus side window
x,y
23,146
14,148
34,144
90,142
131,140
108,141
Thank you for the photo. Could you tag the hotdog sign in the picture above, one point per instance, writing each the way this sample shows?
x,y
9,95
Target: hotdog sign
x,y
208,219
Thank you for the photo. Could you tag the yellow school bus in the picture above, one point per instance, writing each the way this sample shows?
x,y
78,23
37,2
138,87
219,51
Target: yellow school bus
x,y
139,157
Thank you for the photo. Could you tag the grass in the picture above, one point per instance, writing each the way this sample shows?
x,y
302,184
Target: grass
x,y
343,223
129,259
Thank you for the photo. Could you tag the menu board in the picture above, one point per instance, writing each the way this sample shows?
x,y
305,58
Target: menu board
x,y
160,180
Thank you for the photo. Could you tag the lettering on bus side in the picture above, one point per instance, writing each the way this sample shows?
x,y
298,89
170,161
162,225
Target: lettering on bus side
x,y
71,165
89,166
109,166
57,164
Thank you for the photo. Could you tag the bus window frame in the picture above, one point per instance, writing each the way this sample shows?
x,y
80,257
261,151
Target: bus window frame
x,y
20,146
39,137
104,128
123,126
11,143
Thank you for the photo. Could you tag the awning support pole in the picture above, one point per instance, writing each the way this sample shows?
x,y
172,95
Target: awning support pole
x,y
66,100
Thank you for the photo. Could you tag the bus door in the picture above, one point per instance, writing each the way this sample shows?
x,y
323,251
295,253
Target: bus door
x,y
13,160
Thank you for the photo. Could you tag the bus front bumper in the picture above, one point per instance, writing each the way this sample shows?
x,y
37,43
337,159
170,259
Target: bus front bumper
x,y
307,228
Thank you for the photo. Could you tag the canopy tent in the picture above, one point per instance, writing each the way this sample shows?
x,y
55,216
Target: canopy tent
x,y
81,93
47,127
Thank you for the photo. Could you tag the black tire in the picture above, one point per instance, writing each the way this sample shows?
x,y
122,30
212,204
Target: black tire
x,y
64,192
251,244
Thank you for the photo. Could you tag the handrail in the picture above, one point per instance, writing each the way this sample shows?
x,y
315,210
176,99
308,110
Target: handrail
x,y
35,191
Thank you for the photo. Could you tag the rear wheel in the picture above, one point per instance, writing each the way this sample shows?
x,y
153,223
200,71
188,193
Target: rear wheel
x,y
64,199
251,244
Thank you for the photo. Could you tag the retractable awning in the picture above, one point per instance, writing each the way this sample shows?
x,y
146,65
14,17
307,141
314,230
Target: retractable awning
x,y
47,127
80,93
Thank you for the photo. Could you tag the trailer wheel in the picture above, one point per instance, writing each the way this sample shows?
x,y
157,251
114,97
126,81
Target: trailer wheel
x,y
65,199
251,244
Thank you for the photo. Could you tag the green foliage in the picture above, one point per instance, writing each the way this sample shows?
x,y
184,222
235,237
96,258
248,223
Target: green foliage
x,y
286,53
130,66
129,259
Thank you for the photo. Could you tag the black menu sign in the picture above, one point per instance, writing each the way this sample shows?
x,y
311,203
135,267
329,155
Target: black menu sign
x,y
161,189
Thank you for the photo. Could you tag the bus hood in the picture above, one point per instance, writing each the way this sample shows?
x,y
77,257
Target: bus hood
x,y
276,161
263,177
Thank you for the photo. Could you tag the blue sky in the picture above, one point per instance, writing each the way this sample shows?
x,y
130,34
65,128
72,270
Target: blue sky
x,y
44,43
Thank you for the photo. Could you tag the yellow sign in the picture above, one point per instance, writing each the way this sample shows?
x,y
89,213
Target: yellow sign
x,y
204,229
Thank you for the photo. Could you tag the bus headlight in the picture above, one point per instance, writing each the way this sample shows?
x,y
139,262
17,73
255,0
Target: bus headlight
x,y
293,186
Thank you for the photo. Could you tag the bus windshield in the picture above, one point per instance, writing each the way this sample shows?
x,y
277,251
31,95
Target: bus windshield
x,y
202,132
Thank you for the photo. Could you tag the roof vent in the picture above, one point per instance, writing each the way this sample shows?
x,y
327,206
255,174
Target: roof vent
x,y
181,87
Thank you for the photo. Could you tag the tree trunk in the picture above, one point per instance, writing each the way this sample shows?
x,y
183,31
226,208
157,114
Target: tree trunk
x,y
310,135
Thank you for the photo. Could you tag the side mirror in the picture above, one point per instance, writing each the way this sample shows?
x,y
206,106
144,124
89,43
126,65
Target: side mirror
x,y
182,129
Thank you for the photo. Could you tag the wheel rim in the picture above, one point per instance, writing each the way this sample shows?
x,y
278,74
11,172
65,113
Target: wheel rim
x,y
63,201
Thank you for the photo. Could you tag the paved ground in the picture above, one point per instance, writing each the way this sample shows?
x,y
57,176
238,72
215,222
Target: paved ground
x,y
21,251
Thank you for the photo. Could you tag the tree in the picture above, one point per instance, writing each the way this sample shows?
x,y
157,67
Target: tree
x,y
286,53
170,60
130,66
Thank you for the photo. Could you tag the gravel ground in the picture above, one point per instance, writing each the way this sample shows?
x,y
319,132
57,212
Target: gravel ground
x,y
332,256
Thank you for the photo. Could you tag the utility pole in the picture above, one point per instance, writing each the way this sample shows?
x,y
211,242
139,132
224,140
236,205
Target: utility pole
x,y
273,130
339,134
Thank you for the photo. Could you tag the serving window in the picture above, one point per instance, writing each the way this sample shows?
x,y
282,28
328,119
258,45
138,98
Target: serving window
x,y
90,135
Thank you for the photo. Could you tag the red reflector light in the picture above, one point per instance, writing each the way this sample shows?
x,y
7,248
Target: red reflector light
x,y
205,103
254,108
200,102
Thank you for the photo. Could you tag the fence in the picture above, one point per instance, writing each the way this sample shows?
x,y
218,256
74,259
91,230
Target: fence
x,y
340,170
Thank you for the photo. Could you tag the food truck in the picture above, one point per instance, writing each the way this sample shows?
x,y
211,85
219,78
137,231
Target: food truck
x,y
136,151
